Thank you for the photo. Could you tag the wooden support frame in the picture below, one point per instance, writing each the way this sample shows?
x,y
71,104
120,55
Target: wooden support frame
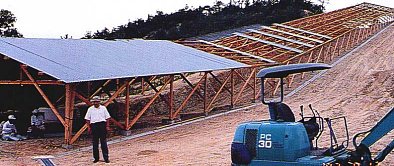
x,y
24,82
188,97
154,88
134,120
244,85
220,82
42,93
191,85
207,110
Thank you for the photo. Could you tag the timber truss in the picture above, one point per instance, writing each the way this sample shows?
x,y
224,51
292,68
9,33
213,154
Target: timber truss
x,y
207,87
317,38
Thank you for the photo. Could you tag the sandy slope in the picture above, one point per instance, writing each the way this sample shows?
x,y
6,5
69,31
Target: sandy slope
x,y
360,88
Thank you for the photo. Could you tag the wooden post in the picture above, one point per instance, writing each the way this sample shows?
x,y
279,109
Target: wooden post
x,y
254,84
205,91
335,49
171,96
127,102
232,88
318,56
142,86
69,113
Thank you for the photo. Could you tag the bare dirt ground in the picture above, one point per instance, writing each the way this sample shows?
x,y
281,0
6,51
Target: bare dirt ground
x,y
361,88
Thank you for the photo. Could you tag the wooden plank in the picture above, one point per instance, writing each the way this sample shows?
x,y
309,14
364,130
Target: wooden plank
x,y
205,92
171,96
292,34
269,42
100,88
24,82
220,82
232,88
189,96
154,88
239,52
217,94
127,102
302,30
281,38
243,79
83,98
69,112
53,108
147,105
120,90
244,86
191,85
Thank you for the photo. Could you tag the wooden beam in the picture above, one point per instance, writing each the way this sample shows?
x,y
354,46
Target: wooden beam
x,y
100,88
78,134
69,112
120,125
243,79
154,88
269,43
127,102
232,88
147,105
83,98
244,86
171,96
205,92
254,85
217,93
220,82
52,106
189,96
120,90
25,82
191,85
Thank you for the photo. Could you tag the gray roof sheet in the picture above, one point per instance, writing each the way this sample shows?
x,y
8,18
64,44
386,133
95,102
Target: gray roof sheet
x,y
76,60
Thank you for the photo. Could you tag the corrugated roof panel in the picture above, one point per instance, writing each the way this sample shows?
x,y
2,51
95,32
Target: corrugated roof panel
x,y
86,60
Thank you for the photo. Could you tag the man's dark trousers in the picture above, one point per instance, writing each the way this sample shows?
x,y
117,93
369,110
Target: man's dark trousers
x,y
99,131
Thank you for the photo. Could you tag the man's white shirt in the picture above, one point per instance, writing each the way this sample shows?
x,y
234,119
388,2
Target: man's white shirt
x,y
95,115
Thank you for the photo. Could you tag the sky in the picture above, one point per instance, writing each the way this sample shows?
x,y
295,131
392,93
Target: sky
x,y
55,18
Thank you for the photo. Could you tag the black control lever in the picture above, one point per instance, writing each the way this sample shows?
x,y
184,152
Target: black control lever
x,y
313,112
302,111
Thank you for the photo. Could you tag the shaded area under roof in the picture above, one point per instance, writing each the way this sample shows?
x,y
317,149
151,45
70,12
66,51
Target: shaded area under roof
x,y
75,60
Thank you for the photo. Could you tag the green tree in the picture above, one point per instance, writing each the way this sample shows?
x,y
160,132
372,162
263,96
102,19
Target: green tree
x,y
7,20
190,22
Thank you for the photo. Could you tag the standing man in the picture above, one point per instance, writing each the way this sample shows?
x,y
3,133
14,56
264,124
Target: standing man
x,y
97,120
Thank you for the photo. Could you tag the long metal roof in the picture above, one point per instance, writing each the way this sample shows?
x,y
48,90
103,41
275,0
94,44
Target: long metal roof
x,y
76,60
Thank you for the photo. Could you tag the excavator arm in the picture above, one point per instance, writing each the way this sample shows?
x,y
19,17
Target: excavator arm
x,y
384,126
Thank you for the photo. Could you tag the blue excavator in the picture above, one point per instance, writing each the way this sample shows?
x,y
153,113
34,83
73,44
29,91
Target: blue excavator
x,y
283,141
